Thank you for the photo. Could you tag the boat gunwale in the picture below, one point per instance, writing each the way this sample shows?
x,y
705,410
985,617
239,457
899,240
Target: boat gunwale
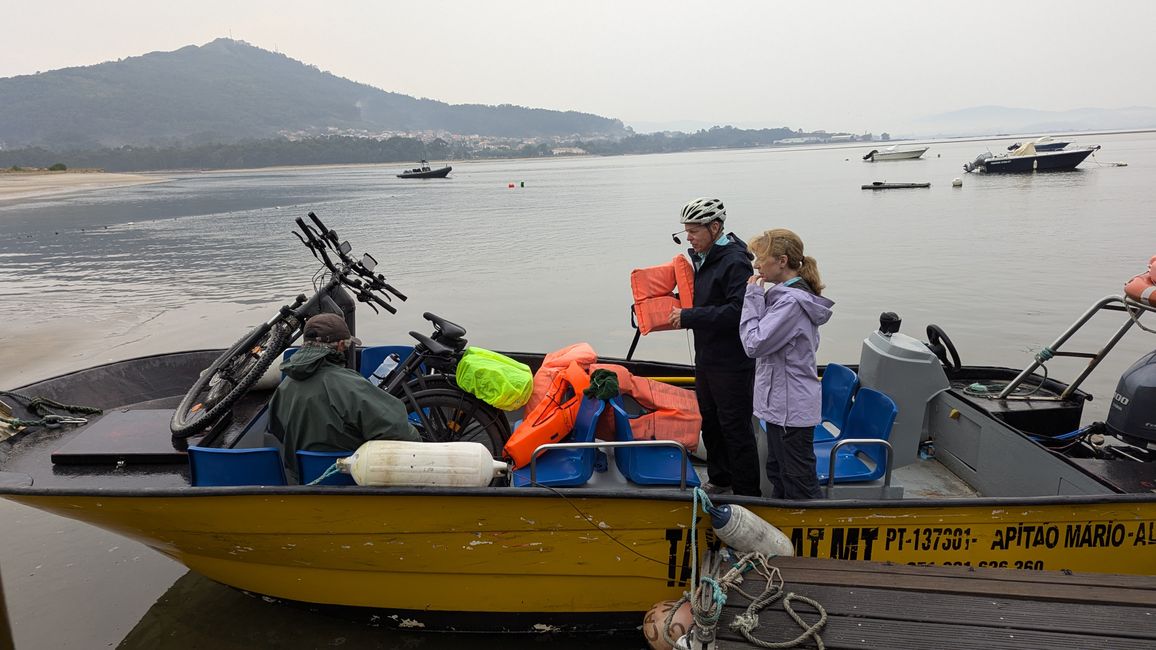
x,y
575,493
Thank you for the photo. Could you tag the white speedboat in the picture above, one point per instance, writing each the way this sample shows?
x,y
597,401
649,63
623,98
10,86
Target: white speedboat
x,y
894,153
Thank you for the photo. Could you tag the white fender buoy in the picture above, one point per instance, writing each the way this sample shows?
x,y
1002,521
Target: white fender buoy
x,y
403,463
958,182
746,532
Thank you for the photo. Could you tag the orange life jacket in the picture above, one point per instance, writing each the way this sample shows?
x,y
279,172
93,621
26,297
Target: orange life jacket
x,y
1142,288
654,293
671,412
552,418
556,362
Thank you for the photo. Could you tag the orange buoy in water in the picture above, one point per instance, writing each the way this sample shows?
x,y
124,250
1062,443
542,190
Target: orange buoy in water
x,y
655,621
1142,288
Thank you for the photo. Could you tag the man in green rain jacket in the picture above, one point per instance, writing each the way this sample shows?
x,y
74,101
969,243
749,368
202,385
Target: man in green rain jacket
x,y
323,406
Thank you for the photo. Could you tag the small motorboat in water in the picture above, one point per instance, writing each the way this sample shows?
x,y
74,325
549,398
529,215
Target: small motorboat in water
x,y
894,153
425,171
1027,158
884,185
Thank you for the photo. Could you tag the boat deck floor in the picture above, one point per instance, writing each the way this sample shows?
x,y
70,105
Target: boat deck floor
x,y
886,606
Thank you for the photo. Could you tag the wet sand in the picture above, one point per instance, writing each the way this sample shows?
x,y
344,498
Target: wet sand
x,y
30,185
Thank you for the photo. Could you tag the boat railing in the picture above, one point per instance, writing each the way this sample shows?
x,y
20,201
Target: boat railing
x,y
861,442
1134,310
608,444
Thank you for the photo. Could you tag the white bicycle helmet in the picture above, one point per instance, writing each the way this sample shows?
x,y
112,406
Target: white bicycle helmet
x,y
704,211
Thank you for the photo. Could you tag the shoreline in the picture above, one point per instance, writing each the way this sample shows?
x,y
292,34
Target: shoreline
x,y
19,186
149,176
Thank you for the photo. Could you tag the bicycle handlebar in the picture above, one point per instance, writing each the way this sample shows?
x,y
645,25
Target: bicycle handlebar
x,y
322,241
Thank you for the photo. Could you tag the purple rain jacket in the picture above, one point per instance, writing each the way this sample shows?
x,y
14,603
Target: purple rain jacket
x,y
779,328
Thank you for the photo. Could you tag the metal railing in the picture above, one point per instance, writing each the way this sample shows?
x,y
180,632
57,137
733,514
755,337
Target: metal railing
x,y
1109,303
860,441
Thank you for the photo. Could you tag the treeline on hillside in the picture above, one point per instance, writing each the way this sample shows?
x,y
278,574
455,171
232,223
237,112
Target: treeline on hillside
x,y
351,150
253,153
719,137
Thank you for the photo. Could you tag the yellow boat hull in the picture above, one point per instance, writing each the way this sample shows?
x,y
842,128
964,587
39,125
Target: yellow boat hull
x,y
559,557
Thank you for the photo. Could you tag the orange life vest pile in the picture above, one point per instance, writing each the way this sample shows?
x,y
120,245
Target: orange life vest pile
x,y
1142,288
670,412
654,293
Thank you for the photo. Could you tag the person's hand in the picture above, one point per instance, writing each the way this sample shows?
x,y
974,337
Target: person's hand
x,y
675,318
756,279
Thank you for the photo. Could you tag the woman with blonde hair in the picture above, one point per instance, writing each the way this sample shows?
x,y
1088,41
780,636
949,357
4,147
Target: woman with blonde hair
x,y
779,328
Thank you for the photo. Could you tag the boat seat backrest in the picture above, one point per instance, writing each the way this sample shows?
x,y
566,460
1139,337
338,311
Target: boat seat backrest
x,y
371,357
213,467
839,385
872,417
311,464
647,465
567,467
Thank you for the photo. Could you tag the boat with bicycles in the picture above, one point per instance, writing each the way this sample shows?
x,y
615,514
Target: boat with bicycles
x,y
1015,479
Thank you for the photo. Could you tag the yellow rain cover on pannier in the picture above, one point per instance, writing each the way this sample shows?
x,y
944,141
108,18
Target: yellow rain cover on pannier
x,y
495,378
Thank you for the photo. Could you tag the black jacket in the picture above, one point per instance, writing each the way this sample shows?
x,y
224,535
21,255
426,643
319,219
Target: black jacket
x,y
719,285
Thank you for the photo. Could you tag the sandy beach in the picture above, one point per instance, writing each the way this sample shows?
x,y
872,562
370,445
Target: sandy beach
x,y
28,185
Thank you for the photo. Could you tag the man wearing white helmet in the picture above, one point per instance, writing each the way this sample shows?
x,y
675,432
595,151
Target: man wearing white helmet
x,y
723,373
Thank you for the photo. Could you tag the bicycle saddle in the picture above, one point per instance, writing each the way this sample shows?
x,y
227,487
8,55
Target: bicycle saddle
x,y
446,328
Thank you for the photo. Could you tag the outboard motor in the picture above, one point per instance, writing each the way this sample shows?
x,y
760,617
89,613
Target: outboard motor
x,y
976,164
871,155
1132,414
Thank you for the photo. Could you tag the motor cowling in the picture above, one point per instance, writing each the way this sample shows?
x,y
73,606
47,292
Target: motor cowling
x,y
1132,414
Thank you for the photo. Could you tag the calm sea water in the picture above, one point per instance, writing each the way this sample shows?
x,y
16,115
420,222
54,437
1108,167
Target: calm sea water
x,y
1003,264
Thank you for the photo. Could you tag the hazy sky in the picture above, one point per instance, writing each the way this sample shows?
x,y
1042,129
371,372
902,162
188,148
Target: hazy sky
x,y
857,66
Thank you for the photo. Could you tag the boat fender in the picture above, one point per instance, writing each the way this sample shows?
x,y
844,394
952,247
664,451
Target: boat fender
x,y
401,463
1142,288
746,532
654,626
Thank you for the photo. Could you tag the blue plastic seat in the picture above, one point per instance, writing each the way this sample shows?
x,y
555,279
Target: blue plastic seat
x,y
871,418
839,386
647,465
567,467
213,467
311,464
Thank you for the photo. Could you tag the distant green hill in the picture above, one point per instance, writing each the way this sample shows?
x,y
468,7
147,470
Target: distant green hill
x,y
228,90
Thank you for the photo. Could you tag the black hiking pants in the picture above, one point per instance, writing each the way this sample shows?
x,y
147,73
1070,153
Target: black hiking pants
x,y
726,402
791,462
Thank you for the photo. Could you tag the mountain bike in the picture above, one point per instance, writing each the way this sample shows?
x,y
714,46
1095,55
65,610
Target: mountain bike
x,y
437,406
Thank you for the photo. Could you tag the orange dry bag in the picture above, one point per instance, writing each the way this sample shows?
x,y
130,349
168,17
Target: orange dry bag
x,y
552,419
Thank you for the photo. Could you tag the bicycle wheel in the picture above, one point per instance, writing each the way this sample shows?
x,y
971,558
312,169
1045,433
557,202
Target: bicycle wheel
x,y
446,413
229,378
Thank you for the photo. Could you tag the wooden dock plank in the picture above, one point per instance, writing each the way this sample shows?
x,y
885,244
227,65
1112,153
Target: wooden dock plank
x,y
1049,586
895,607
870,634
988,611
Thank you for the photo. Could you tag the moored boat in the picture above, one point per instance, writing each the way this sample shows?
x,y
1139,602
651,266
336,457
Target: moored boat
x,y
425,171
884,185
1027,159
1014,481
894,153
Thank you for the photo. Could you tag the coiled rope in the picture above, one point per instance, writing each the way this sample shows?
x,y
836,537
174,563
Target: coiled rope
x,y
44,407
709,595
